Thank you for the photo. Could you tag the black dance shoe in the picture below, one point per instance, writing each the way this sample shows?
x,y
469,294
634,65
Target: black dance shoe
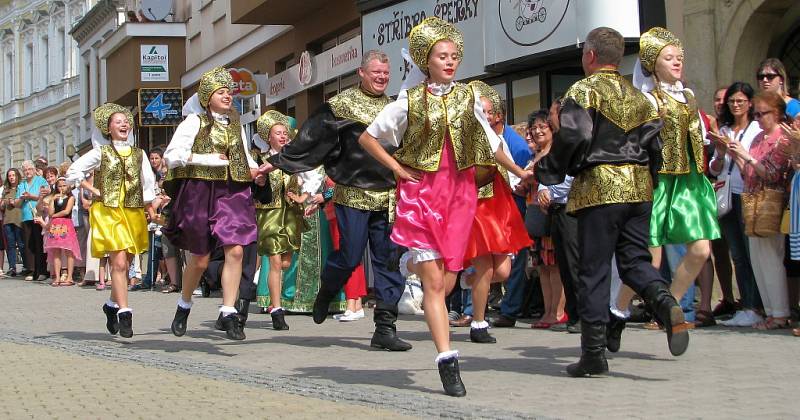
x,y
232,325
321,305
504,322
218,325
179,323
614,333
668,313
278,321
451,378
481,335
385,335
112,323
126,324
593,346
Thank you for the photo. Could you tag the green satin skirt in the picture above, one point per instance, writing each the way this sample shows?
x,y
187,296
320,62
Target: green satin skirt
x,y
684,209
301,280
279,230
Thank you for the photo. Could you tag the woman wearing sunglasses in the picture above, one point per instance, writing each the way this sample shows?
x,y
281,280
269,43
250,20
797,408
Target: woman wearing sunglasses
x,y
772,77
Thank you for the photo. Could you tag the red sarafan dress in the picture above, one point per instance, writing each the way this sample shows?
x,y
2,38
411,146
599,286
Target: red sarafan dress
x,y
498,227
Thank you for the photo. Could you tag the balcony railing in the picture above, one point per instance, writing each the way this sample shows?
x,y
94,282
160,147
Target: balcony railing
x,y
52,95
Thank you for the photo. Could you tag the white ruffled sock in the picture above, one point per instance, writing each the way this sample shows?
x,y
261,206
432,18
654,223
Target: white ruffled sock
x,y
450,354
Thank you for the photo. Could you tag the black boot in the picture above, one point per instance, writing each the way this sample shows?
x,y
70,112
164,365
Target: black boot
x,y
385,336
451,378
668,313
614,332
278,320
242,308
112,323
481,335
593,346
179,323
232,325
321,305
126,324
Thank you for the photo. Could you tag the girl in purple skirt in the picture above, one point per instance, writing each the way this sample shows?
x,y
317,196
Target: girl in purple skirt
x,y
210,172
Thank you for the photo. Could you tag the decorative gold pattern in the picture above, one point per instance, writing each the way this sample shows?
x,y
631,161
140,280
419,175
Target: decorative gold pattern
x,y
652,42
116,170
211,81
487,191
615,98
356,105
104,112
451,114
610,184
426,34
222,139
362,199
681,126
270,118
280,182
488,92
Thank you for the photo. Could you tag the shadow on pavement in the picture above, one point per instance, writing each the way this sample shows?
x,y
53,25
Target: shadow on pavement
x,y
139,341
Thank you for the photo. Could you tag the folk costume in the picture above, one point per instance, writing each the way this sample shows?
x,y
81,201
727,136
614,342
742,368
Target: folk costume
x,y
440,130
61,232
212,201
684,202
363,200
127,184
608,141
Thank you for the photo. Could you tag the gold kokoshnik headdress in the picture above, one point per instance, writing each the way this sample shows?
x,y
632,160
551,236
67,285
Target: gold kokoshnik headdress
x,y
427,33
211,81
267,120
103,113
487,92
652,42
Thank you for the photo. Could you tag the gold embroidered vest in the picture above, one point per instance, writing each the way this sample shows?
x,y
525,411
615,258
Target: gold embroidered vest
x,y
356,105
280,183
681,131
116,171
452,113
487,191
221,139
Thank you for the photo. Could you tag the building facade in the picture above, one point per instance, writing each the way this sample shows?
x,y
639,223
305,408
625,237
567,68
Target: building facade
x,y
40,91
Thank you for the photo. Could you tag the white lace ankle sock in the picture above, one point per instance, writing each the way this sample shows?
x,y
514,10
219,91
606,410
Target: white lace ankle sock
x,y
446,355
183,304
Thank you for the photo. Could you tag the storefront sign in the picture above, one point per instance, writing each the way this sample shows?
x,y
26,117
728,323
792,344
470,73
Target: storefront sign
x,y
160,107
520,28
387,30
339,60
245,83
154,61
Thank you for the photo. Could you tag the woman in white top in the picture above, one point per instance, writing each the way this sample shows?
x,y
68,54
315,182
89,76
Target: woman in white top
x,y
737,126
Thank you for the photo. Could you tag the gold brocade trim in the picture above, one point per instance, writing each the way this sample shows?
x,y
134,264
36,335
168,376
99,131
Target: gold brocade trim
x,y
615,98
222,139
116,171
452,113
610,184
487,92
362,199
356,105
681,126
265,122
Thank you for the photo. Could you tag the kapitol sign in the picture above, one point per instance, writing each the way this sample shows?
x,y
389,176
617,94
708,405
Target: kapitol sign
x,y
154,61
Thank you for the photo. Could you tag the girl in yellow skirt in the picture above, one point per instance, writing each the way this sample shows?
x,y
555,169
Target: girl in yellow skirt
x,y
280,222
123,189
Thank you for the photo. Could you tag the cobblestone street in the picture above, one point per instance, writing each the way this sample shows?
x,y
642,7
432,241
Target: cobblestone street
x,y
60,362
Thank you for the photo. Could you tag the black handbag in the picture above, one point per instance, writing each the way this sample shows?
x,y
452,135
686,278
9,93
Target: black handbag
x,y
537,222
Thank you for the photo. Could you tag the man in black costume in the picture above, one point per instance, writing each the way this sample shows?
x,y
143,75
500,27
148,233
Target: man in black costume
x,y
607,138
363,196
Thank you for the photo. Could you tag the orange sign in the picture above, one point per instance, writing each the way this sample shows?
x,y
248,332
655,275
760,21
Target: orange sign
x,y
245,85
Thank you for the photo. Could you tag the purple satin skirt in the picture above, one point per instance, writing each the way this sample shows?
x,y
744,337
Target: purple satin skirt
x,y
209,214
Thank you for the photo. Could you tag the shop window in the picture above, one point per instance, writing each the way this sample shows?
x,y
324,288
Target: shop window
x,y
559,83
791,59
527,98
332,87
291,107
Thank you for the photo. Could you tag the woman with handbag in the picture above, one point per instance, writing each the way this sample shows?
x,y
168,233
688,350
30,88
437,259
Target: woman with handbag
x,y
737,126
764,169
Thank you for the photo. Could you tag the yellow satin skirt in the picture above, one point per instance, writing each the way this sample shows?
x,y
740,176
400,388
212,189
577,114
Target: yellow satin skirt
x,y
117,229
279,230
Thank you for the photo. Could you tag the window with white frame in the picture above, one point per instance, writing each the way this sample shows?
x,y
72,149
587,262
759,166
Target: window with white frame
x,y
8,77
43,147
60,147
9,157
45,48
28,75
28,151
61,59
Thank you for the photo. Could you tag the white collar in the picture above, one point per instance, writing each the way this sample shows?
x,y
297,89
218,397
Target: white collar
x,y
223,118
675,88
439,89
121,143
